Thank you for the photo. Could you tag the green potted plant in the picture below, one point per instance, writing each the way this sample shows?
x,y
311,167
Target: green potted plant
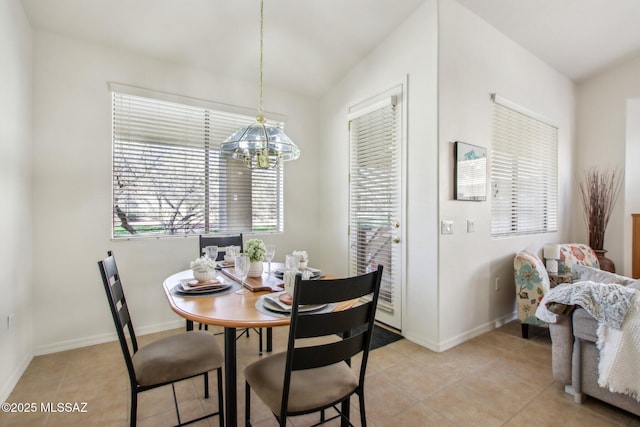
x,y
255,250
599,191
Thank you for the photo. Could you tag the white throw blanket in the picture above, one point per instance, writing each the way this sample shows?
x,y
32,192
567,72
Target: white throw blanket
x,y
617,310
619,366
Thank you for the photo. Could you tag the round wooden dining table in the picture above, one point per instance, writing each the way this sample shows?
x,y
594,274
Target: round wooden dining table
x,y
231,311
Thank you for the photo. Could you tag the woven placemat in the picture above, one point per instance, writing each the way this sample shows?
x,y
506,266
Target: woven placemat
x,y
177,292
260,307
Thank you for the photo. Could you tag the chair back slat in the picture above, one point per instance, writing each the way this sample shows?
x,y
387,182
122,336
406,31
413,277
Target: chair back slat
x,y
332,323
328,354
116,294
330,291
221,242
123,315
119,309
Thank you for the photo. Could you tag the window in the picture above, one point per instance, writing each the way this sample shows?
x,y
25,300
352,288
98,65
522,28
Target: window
x,y
169,178
524,172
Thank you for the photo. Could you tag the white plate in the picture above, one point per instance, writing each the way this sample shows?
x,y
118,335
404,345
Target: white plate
x,y
273,303
186,288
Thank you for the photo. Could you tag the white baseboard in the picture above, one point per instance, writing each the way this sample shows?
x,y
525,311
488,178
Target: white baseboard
x,y
103,338
479,330
8,387
428,344
459,339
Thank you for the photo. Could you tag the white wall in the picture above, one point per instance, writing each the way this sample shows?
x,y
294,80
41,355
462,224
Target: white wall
x,y
601,139
476,60
72,187
410,51
15,188
448,289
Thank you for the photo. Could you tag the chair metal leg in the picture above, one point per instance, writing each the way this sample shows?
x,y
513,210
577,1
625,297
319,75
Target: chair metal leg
x,y
247,405
344,408
220,398
134,407
175,402
189,325
363,416
206,385
525,331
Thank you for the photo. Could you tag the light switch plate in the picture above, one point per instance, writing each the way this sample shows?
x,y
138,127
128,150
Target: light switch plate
x,y
446,227
471,226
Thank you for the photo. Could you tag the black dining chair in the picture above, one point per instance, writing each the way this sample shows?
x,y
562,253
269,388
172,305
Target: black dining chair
x,y
164,361
312,377
220,242
223,242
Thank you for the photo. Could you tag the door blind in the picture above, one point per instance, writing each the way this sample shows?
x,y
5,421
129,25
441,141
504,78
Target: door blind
x,y
375,194
524,174
169,177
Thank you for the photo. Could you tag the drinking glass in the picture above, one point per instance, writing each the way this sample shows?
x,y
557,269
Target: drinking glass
x,y
292,263
231,253
269,254
242,269
211,252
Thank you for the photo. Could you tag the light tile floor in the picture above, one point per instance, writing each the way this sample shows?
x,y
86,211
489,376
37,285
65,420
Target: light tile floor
x,y
496,379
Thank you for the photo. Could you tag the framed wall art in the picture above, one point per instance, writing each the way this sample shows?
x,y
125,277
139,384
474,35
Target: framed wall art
x,y
470,176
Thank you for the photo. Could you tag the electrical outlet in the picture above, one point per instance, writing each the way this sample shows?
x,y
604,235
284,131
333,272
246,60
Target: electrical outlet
x,y
497,284
10,321
446,227
471,225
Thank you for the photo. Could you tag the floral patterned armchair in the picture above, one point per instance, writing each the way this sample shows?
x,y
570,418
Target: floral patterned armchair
x,y
532,280
572,254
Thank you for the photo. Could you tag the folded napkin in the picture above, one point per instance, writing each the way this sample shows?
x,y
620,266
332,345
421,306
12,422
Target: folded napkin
x,y
290,279
275,298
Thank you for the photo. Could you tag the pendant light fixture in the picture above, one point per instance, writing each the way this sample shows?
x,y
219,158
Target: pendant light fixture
x,y
260,145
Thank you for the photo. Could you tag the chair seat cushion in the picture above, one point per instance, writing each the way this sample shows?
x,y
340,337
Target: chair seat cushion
x,y
177,357
310,388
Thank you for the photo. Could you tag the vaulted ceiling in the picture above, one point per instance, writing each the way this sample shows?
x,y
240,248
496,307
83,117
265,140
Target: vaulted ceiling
x,y
310,44
579,38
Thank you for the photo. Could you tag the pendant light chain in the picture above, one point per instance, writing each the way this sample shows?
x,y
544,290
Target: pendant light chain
x,y
260,117
260,145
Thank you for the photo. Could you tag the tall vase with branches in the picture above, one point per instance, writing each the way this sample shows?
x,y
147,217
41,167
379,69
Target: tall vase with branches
x,y
599,191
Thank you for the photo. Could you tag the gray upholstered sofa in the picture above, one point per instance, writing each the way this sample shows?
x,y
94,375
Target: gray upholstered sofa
x,y
575,359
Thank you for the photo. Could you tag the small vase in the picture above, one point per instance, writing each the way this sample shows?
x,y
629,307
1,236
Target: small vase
x,y
255,269
605,263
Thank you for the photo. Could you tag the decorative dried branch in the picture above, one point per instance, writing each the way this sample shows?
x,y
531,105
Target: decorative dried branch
x,y
599,191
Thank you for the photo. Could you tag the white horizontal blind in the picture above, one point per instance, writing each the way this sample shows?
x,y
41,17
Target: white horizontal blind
x,y
169,179
375,194
524,174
